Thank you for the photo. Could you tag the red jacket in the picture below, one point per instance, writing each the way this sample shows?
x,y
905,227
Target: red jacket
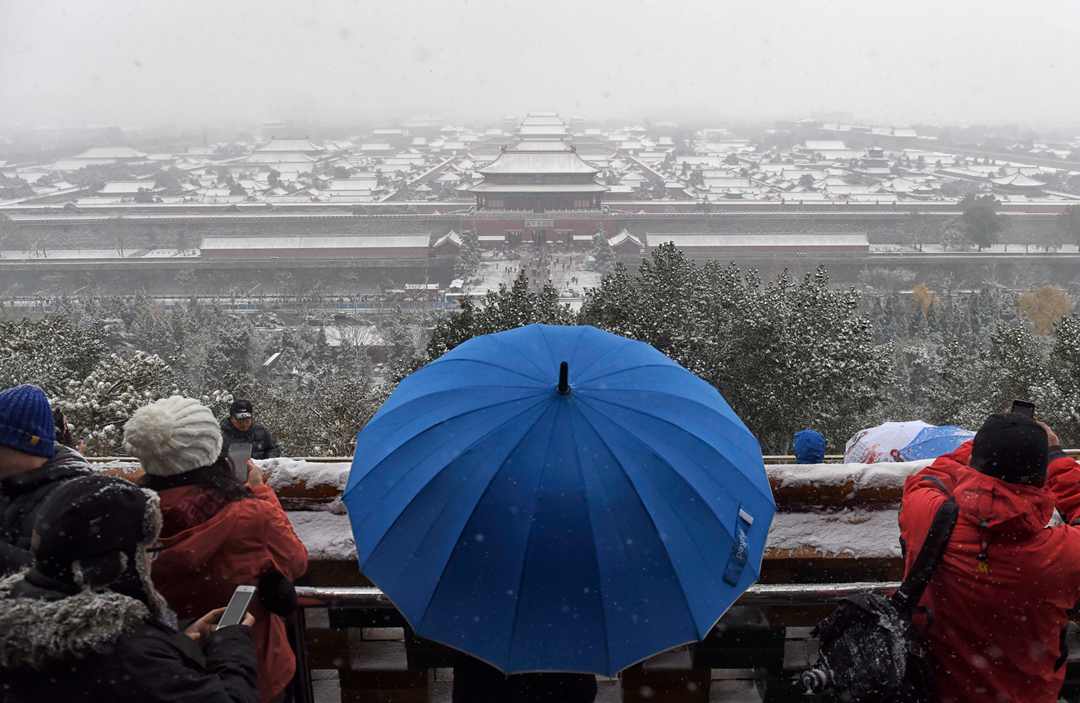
x,y
212,546
997,602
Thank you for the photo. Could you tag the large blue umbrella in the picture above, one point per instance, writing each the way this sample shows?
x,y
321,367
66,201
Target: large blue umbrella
x,y
932,442
573,524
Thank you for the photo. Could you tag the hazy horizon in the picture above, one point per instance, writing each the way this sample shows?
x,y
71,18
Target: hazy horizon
x,y
140,64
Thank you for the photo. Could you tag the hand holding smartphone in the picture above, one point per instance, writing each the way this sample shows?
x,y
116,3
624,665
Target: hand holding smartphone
x,y
237,607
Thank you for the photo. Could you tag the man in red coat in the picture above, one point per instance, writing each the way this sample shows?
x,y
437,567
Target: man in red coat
x,y
996,605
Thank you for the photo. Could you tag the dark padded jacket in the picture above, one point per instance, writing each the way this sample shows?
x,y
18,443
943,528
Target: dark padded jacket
x,y
20,497
104,646
263,445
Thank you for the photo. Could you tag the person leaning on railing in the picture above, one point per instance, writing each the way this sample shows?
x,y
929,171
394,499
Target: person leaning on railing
x,y
218,532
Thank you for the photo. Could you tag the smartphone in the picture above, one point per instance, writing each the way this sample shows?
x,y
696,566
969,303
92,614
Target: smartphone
x,y
239,453
1023,407
237,607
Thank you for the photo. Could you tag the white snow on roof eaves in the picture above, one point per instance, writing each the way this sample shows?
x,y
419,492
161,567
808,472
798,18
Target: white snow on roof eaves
x,y
388,241
757,240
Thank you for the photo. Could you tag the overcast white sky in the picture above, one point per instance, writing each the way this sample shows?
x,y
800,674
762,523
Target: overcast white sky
x,y
140,62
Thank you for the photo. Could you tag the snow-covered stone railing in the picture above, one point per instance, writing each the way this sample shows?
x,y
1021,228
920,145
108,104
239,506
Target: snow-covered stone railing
x,y
834,521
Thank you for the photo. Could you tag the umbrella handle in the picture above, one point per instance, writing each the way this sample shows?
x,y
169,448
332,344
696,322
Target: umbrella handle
x,y
564,374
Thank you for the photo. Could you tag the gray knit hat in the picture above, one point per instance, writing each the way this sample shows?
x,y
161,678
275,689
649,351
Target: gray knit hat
x,y
173,436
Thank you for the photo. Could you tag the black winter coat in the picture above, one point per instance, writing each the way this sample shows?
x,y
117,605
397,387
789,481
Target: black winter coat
x,y
21,496
262,442
478,682
104,646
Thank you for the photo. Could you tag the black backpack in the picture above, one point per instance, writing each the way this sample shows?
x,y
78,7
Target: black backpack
x,y
869,650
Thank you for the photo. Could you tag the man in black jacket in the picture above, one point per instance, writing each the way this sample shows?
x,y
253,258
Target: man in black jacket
x,y
86,623
240,427
32,465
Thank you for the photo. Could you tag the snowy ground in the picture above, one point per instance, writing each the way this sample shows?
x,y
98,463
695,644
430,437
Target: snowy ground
x,y
567,272
494,273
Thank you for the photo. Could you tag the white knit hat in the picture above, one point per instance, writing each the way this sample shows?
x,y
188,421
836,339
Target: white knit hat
x,y
173,436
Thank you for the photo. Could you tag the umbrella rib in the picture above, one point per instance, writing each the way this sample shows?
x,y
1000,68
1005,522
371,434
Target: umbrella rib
x,y
472,511
525,559
634,368
666,421
596,550
430,427
494,339
403,475
493,365
644,507
625,343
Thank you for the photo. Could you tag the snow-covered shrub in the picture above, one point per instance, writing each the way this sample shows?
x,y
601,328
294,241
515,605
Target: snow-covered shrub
x,y
100,404
48,352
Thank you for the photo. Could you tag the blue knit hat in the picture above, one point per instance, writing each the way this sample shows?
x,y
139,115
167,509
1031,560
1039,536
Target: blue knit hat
x,y
26,421
809,447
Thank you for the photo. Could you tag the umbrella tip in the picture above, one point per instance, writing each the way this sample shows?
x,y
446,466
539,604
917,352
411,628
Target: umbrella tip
x,y
564,374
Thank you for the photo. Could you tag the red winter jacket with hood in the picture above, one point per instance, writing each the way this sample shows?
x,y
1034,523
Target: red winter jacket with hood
x,y
997,602
212,546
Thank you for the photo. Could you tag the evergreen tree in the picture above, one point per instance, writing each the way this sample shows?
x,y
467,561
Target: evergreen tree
x,y
980,221
603,256
468,258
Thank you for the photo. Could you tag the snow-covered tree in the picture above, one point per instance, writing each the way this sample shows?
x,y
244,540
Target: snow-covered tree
x,y
785,354
99,404
507,308
47,352
468,258
321,414
602,255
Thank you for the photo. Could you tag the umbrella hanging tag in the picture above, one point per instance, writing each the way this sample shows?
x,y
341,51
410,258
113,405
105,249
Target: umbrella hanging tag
x,y
740,549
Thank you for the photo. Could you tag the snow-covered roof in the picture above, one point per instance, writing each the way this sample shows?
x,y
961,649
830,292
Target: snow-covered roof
x,y
283,160
759,241
111,152
624,238
381,241
126,187
824,145
1019,180
450,237
538,188
303,146
349,185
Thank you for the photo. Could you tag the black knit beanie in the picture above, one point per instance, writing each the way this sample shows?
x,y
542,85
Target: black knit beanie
x,y
1012,448
88,530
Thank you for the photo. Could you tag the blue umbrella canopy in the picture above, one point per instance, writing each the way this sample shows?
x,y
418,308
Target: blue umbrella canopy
x,y
932,442
573,522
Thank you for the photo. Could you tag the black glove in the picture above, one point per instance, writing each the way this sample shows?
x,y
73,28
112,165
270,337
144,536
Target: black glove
x,y
277,593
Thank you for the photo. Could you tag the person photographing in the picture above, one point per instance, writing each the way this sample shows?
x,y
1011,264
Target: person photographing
x,y
240,428
996,606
